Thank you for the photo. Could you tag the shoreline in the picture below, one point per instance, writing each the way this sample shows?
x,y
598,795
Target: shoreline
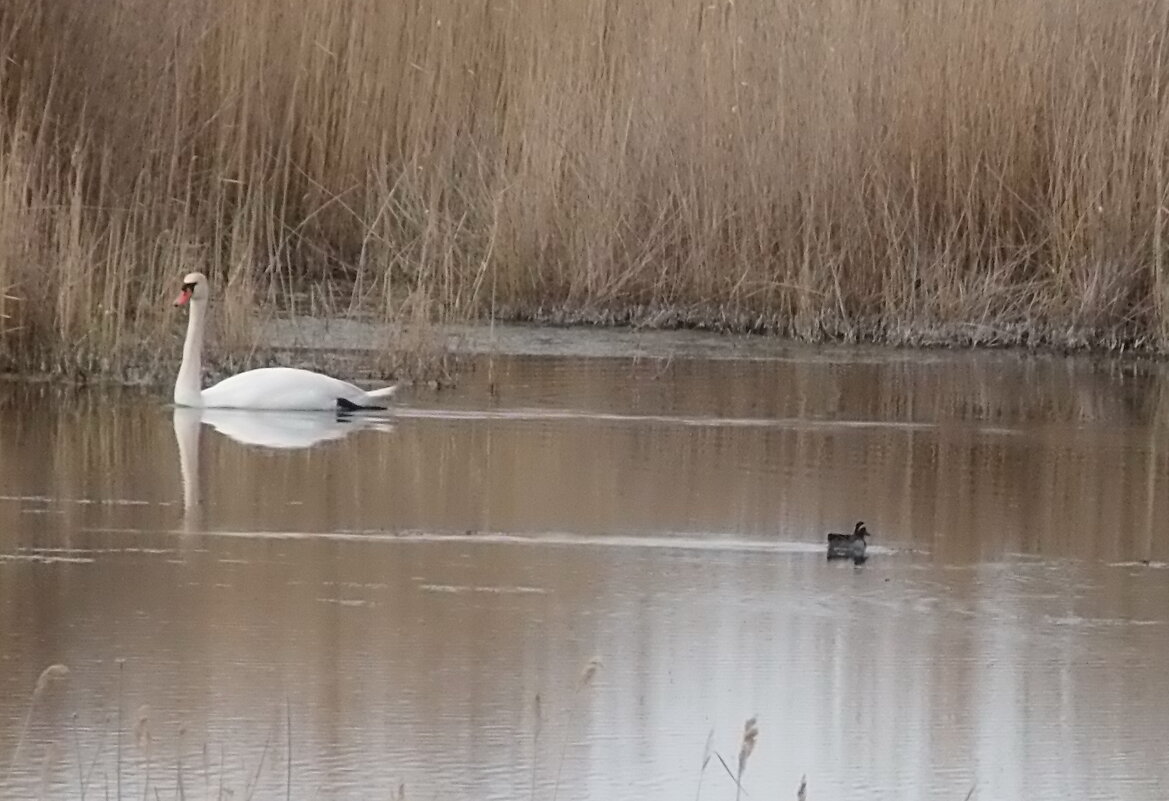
x,y
586,338
346,344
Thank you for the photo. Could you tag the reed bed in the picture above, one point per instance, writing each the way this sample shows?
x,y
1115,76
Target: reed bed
x,y
126,767
947,171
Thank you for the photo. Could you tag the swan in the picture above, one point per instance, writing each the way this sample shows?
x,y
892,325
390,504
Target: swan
x,y
268,388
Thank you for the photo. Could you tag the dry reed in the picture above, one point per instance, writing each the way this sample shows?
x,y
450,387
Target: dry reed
x,y
144,738
584,682
932,170
707,753
746,748
49,675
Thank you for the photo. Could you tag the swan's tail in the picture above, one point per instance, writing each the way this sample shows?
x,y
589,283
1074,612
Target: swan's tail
x,y
367,400
384,392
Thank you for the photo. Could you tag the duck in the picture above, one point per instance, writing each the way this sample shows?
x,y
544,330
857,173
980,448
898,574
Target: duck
x,y
266,388
849,546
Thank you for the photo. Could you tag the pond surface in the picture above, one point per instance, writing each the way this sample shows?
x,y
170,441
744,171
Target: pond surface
x,y
271,606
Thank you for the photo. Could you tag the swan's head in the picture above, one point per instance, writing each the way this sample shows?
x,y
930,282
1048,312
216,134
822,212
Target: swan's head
x,y
194,289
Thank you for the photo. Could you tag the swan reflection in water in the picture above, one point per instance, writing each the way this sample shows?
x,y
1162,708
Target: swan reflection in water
x,y
265,429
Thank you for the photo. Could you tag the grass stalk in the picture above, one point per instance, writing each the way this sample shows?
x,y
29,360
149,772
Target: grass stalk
x,y
118,731
49,675
288,756
588,673
537,727
707,752
746,747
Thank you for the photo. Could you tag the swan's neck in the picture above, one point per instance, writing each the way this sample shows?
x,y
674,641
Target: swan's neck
x,y
188,386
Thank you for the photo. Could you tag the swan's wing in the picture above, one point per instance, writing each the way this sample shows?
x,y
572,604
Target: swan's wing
x,y
280,388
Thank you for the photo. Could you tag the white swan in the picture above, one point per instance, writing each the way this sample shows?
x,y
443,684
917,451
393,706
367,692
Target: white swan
x,y
272,388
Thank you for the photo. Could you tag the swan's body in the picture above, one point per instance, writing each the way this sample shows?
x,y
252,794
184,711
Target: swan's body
x,y
268,388
285,389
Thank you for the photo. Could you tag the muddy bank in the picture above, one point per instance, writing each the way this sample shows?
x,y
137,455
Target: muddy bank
x,y
364,350
313,337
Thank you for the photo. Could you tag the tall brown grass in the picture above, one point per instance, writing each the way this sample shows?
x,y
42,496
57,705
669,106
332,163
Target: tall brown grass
x,y
959,170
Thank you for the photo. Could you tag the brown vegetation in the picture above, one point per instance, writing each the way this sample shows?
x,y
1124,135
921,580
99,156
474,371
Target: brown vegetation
x,y
906,170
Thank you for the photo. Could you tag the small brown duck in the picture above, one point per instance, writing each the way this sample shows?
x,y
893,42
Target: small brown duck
x,y
849,546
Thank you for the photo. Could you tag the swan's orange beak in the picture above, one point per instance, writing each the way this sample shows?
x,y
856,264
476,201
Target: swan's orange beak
x,y
183,297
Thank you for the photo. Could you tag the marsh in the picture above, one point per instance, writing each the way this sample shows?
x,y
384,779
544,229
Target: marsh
x,y
409,600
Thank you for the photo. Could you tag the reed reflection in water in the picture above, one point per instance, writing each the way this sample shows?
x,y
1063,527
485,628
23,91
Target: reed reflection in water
x,y
410,585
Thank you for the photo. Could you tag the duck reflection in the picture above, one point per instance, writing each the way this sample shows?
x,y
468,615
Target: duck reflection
x,y
264,429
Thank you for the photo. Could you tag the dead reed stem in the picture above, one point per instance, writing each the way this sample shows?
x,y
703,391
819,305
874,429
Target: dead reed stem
x,y
144,739
48,676
746,748
585,680
118,732
707,752
537,727
931,171
288,754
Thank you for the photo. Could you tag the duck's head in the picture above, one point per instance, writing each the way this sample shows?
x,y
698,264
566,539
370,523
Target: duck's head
x,y
860,530
194,289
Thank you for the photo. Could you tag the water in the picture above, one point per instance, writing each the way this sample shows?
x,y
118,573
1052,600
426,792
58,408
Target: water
x,y
409,604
